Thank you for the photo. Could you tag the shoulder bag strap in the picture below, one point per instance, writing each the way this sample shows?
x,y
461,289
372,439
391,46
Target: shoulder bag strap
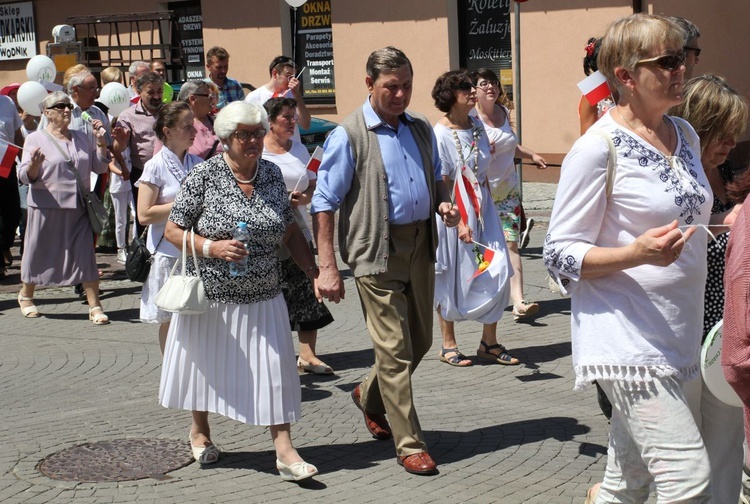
x,y
69,161
611,160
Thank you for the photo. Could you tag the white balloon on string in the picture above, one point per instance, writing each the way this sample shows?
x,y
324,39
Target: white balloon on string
x,y
30,96
41,68
116,97
296,3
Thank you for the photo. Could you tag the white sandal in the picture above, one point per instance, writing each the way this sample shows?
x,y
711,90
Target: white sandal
x,y
97,315
28,311
297,471
205,454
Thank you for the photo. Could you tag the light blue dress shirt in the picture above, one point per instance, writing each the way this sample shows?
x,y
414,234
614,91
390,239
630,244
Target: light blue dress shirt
x,y
408,194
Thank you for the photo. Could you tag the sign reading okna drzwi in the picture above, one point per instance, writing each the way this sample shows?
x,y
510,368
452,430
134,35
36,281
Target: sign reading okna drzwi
x,y
17,34
315,51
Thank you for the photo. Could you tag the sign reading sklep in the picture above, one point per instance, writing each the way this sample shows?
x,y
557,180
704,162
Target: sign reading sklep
x,y
17,34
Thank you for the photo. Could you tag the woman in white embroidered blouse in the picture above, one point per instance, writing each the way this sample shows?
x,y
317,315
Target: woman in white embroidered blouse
x,y
627,265
159,185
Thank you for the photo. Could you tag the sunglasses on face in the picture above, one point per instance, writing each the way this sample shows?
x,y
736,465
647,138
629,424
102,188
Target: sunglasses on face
x,y
670,62
465,86
61,106
245,135
696,50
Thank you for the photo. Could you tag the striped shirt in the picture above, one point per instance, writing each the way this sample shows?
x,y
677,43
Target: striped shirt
x,y
143,141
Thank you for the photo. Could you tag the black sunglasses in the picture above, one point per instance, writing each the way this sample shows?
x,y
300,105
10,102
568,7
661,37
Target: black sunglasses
x,y
60,106
465,86
669,62
696,50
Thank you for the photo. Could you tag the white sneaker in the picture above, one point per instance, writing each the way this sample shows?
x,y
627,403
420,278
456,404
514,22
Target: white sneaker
x,y
121,256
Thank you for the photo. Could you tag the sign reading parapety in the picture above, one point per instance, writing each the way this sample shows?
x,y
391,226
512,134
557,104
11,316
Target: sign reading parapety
x,y
17,35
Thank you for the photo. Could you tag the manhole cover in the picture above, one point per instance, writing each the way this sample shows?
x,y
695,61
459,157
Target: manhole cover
x,y
118,460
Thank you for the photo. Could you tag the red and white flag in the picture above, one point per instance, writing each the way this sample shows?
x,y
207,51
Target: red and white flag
x,y
490,258
468,197
595,88
314,163
8,153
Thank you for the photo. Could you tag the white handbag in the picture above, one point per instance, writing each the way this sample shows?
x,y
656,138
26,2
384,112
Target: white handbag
x,y
182,293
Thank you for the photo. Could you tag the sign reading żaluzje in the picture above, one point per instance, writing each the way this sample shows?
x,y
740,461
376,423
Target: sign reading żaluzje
x,y
484,29
17,34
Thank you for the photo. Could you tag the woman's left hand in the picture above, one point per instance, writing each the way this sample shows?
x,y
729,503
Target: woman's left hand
x,y
539,161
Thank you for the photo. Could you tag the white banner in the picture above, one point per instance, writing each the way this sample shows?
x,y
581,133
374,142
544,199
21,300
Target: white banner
x,y
17,33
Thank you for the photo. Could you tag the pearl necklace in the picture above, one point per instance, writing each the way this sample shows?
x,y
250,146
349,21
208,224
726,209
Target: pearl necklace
x,y
241,181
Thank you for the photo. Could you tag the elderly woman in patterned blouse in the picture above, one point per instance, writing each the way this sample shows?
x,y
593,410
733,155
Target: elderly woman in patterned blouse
x,y
623,257
237,359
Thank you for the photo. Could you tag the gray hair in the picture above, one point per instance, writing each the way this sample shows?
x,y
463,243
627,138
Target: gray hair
x,y
691,31
388,59
134,66
54,98
77,80
146,79
190,87
236,113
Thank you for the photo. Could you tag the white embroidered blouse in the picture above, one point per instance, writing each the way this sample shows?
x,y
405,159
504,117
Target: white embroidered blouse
x,y
645,321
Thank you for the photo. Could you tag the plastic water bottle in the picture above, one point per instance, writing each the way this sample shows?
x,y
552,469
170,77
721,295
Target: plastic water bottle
x,y
241,234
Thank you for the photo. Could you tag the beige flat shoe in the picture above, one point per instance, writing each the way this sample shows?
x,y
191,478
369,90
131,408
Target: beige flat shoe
x,y
97,315
205,455
297,471
524,309
319,369
28,311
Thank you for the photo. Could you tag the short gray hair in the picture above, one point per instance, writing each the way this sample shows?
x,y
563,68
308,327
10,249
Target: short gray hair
x,y
691,31
190,87
236,113
54,98
77,80
388,59
134,66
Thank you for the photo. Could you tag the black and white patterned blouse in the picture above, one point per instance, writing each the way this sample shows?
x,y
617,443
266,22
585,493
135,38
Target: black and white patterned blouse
x,y
713,309
212,202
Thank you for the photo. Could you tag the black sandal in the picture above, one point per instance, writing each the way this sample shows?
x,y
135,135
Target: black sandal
x,y
454,360
502,358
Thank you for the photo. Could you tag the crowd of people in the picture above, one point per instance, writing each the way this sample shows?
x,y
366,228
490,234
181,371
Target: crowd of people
x,y
637,238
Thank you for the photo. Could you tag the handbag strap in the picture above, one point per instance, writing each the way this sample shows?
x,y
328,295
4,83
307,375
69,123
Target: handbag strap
x,y
67,159
611,159
184,253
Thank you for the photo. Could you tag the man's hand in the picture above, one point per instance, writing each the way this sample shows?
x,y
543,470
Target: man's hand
x,y
329,286
449,213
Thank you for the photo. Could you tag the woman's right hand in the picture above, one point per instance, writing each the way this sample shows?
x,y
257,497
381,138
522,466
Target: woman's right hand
x,y
36,158
663,245
228,250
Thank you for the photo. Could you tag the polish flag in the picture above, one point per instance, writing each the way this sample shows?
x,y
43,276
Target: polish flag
x,y
8,153
491,257
594,88
315,160
468,197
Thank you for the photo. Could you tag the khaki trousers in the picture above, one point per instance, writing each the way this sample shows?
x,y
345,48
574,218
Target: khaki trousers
x,y
397,307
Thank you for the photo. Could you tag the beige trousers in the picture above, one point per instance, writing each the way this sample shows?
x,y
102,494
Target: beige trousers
x,y
397,306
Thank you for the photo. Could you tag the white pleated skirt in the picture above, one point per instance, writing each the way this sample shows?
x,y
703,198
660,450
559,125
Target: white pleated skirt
x,y
234,360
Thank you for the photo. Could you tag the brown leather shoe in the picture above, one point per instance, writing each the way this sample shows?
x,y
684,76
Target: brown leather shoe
x,y
418,463
375,422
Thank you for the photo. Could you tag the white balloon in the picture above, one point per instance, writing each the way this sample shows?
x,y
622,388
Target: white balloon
x,y
296,3
41,68
712,371
30,97
115,96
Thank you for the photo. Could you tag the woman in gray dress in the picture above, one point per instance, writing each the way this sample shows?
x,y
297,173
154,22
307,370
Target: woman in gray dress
x,y
59,241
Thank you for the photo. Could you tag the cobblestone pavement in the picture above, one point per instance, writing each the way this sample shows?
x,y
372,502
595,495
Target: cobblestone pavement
x,y
499,434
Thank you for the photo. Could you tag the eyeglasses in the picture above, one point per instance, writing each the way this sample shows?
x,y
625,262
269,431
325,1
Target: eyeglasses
x,y
206,95
670,62
246,135
465,86
696,50
61,106
93,89
488,84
